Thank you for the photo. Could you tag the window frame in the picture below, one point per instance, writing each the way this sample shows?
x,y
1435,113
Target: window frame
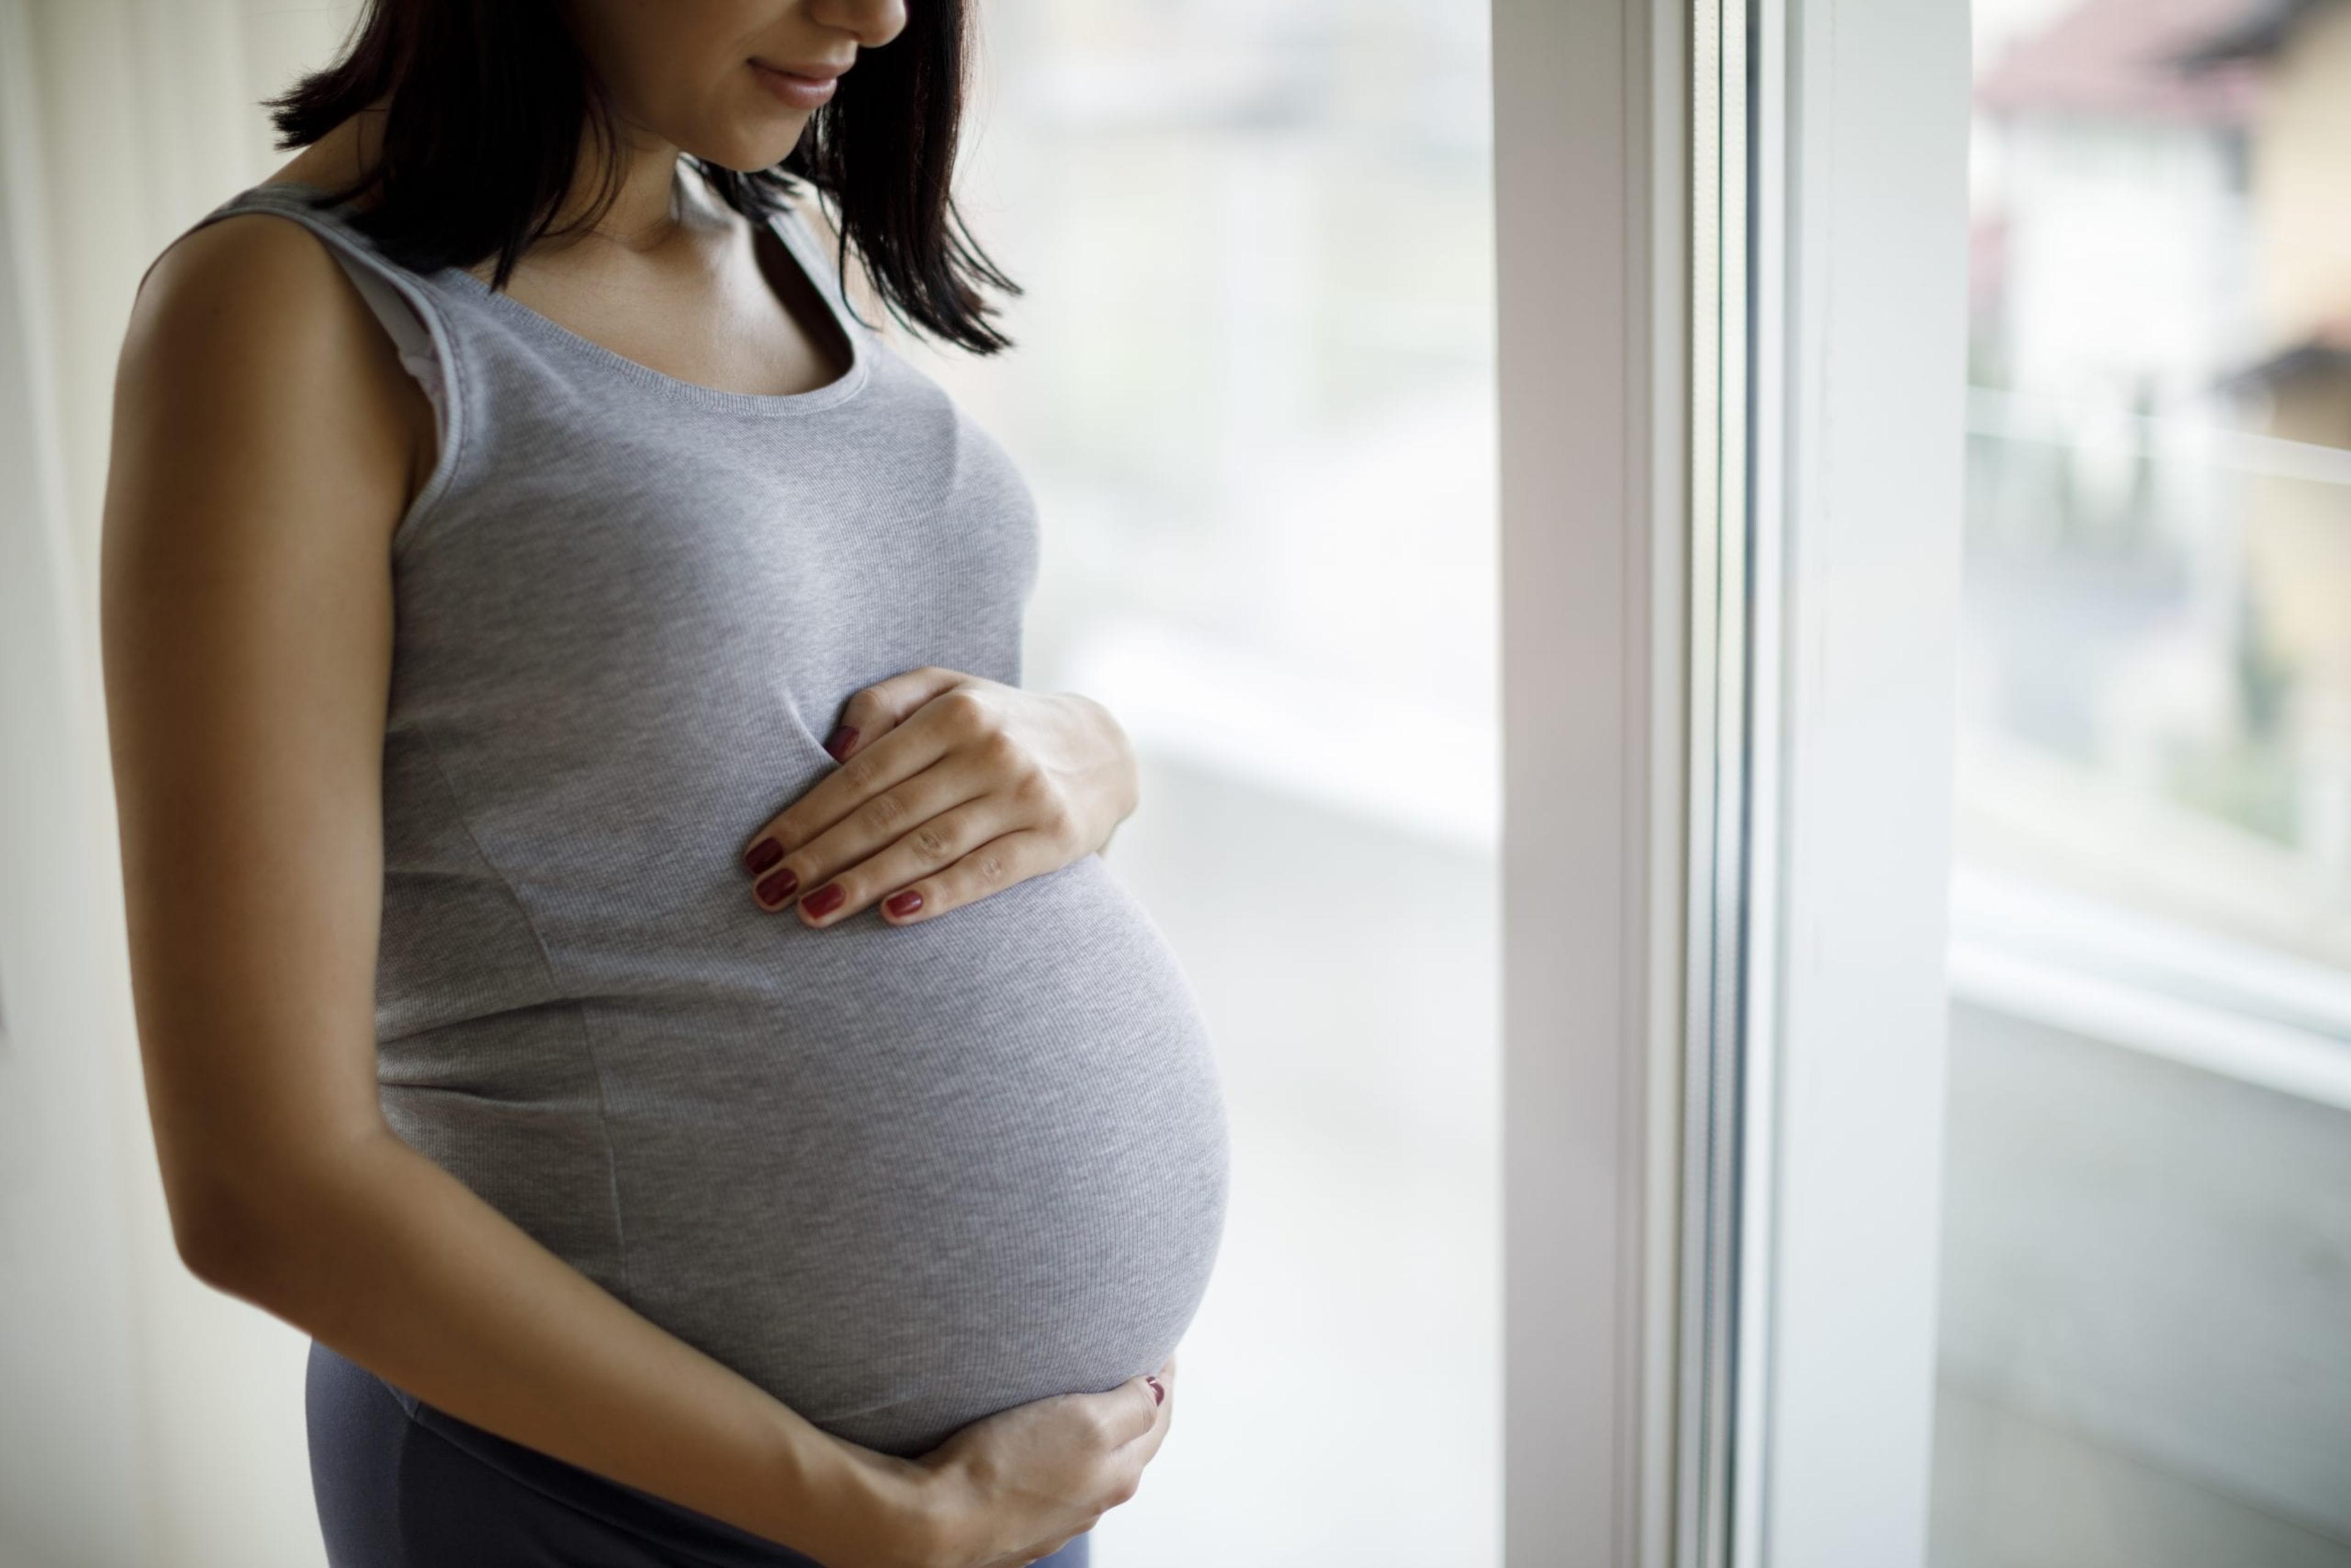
x,y
1870,208
1774,743
1590,175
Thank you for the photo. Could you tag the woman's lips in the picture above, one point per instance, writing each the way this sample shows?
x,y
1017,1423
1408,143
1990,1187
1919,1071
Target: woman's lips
x,y
801,89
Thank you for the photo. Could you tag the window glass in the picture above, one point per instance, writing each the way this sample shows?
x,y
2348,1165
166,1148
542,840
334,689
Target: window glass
x,y
2146,1312
1253,392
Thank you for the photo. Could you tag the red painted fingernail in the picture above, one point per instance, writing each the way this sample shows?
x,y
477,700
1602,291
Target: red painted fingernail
x,y
1158,1395
825,899
842,739
778,887
904,902
764,853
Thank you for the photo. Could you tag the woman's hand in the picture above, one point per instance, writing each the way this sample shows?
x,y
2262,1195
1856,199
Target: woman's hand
x,y
951,787
1023,1483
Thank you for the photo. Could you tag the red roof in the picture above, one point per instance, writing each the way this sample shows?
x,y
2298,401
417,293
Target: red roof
x,y
2124,59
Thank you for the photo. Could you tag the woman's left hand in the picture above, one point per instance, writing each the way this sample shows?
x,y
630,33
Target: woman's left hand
x,y
951,787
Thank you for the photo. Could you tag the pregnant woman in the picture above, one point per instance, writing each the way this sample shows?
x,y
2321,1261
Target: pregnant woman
x,y
621,961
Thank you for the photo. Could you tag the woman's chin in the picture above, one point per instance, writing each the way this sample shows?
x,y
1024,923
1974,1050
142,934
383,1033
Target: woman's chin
x,y
763,137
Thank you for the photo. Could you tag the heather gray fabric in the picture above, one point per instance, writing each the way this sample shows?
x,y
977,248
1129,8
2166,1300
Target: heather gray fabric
x,y
899,1177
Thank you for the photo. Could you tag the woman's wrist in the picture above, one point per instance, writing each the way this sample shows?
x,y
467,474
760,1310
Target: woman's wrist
x,y
853,1506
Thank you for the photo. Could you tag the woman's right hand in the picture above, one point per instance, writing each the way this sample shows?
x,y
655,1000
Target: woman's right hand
x,y
1019,1485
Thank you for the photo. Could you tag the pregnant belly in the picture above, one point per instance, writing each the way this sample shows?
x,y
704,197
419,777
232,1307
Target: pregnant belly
x,y
903,1178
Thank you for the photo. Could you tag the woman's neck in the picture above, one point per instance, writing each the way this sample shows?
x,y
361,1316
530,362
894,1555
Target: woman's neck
x,y
650,206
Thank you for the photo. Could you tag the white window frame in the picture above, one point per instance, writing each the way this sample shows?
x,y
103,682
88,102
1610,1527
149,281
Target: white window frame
x,y
1588,178
1772,744
1872,208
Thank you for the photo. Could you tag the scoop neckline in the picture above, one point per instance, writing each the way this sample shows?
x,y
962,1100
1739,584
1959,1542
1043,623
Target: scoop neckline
x,y
549,331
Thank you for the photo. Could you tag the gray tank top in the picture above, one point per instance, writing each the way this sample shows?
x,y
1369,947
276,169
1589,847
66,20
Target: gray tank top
x,y
901,1178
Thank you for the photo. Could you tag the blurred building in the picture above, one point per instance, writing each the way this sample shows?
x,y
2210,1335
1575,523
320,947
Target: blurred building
x,y
2160,652
2145,1334
2298,534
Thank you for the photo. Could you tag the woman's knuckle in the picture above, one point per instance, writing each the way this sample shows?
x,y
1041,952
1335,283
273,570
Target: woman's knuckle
x,y
1053,815
988,869
930,843
1042,801
966,709
1004,757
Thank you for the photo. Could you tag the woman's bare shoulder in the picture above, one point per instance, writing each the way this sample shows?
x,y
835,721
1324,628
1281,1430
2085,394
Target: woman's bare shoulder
x,y
248,330
232,272
254,281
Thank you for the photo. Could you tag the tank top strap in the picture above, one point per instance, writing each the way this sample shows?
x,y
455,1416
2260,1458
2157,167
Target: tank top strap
x,y
817,259
411,307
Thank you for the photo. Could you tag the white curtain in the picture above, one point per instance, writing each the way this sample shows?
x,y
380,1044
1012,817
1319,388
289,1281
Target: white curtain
x,y
144,1419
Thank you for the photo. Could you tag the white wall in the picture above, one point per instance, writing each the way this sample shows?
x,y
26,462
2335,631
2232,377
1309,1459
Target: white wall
x,y
143,1417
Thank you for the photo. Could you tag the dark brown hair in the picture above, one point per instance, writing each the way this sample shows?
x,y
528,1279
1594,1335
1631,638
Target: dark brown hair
x,y
488,101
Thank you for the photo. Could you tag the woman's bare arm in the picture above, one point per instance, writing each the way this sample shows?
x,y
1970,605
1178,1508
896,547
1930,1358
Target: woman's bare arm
x,y
265,445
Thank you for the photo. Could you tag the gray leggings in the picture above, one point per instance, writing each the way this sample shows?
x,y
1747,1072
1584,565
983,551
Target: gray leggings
x,y
401,1484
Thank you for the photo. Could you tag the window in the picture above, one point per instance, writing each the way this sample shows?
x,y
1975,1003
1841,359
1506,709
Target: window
x,y
2143,1350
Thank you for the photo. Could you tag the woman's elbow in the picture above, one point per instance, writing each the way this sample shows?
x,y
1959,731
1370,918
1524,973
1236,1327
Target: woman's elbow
x,y
242,1229
222,1233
